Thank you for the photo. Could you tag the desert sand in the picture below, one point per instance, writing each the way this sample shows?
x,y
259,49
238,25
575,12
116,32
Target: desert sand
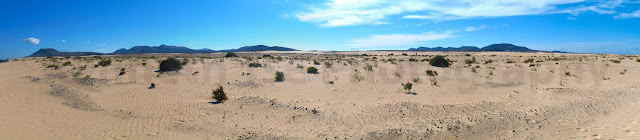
x,y
557,96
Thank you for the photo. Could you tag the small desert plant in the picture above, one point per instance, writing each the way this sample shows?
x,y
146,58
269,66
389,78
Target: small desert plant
x,y
54,66
185,61
328,64
637,60
470,61
144,64
439,61
368,67
105,62
76,74
87,76
397,74
615,61
230,54
194,73
255,65
407,86
473,70
315,62
122,72
491,73
416,80
66,63
356,76
153,85
528,60
413,60
312,70
567,73
96,66
434,81
432,73
219,95
170,64
279,76
299,66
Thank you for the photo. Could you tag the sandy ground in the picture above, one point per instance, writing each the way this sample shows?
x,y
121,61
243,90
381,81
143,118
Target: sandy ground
x,y
500,100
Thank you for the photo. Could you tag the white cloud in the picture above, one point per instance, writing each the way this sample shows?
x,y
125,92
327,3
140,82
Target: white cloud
x,y
469,29
635,14
571,18
399,39
32,40
63,41
101,44
356,12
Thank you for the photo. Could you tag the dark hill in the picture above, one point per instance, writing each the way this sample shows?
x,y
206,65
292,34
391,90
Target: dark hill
x,y
53,52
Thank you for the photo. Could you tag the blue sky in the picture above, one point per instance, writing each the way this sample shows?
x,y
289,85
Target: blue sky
x,y
341,25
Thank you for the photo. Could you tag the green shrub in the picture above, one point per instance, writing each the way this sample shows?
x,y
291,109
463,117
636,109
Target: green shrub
x,y
413,60
416,80
315,62
76,74
368,67
637,60
230,54
279,76
439,61
185,61
219,95
194,73
615,61
528,60
105,62
432,72
312,70
255,65
170,64
54,66
357,77
567,73
153,85
407,86
66,63
144,64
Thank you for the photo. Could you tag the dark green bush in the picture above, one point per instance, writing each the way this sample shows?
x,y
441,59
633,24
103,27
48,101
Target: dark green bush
x,y
170,64
312,70
528,60
279,76
105,62
407,86
230,54
219,95
439,61
66,63
432,73
255,65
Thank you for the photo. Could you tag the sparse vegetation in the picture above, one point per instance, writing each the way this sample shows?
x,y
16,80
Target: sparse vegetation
x,y
185,61
122,72
312,70
356,76
368,67
153,85
279,76
219,95
194,73
615,61
432,73
68,63
416,79
530,60
397,74
315,62
439,61
104,62
434,81
255,65
144,64
76,74
567,73
54,66
170,64
407,86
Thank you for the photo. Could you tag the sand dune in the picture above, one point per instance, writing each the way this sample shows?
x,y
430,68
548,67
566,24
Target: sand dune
x,y
562,96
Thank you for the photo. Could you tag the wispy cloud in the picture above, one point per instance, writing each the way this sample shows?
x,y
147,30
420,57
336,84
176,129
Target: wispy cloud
x,y
635,14
32,40
470,29
399,39
357,12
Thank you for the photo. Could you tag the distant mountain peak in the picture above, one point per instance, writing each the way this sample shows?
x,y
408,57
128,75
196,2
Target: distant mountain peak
x,y
158,49
501,47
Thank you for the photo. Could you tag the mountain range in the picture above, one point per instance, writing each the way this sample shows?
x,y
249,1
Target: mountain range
x,y
503,47
157,49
